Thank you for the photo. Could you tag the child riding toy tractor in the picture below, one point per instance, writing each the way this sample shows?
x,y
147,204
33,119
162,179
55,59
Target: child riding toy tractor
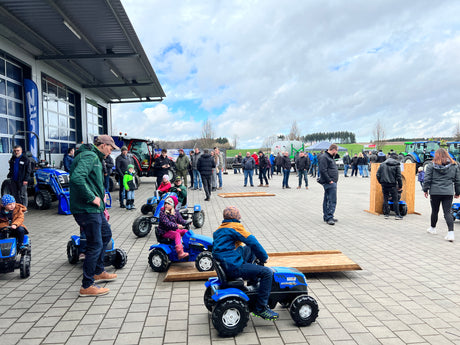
x,y
11,257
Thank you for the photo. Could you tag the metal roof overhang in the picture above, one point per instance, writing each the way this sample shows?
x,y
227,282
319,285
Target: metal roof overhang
x,y
91,41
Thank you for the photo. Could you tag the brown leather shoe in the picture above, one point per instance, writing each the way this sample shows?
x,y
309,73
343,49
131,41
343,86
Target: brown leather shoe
x,y
93,291
104,277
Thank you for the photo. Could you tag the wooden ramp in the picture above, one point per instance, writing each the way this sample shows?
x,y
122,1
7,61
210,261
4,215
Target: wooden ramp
x,y
306,262
244,195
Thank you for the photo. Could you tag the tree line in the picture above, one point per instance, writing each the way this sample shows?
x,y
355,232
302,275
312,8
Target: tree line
x,y
341,137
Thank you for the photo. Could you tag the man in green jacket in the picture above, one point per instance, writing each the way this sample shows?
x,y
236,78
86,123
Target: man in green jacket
x,y
182,163
87,206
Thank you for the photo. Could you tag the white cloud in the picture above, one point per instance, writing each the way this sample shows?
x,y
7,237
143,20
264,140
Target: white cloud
x,y
256,66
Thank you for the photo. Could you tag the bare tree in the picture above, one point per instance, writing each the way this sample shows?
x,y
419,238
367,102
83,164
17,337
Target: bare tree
x,y
379,135
207,134
457,132
235,141
294,134
269,141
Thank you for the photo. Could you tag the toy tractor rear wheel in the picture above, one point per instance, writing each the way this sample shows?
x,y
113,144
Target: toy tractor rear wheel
x,y
198,219
304,310
72,253
146,208
230,316
24,266
120,258
209,303
403,209
43,199
158,260
142,226
204,262
6,187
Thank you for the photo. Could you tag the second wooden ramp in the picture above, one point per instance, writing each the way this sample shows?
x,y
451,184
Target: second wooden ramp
x,y
244,194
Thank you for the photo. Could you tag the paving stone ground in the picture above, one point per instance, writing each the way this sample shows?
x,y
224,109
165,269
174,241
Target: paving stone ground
x,y
407,293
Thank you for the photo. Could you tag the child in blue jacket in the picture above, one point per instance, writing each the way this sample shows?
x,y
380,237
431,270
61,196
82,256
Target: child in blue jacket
x,y
237,259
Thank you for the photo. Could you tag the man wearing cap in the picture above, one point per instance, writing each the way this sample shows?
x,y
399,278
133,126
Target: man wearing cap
x,y
87,206
180,190
162,166
19,174
182,163
205,165
121,166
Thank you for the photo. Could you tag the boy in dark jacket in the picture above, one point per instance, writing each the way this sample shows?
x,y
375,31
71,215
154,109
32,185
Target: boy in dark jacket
x,y
237,260
12,214
389,176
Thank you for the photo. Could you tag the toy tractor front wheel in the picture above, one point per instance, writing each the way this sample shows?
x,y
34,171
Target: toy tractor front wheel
x,y
204,262
120,258
230,316
24,266
403,209
209,303
304,310
43,199
158,260
72,253
198,219
142,226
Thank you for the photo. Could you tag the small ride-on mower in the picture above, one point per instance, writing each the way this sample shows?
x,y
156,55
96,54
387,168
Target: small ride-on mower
x,y
11,257
198,246
230,302
143,225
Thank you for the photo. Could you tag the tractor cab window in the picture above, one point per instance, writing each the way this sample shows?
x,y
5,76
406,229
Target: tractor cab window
x,y
141,150
409,148
432,146
454,148
419,148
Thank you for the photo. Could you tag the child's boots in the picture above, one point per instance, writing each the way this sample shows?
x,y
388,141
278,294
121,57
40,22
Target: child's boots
x,y
180,252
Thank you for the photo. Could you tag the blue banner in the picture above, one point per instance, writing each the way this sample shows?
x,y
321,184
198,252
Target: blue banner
x,y
32,120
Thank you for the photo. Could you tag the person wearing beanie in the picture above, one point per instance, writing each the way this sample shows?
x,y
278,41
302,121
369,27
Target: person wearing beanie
x,y
181,192
12,214
171,225
263,165
238,261
205,165
121,166
165,185
129,183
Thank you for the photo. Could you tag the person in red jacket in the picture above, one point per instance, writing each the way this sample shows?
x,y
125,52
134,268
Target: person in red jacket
x,y
165,185
256,159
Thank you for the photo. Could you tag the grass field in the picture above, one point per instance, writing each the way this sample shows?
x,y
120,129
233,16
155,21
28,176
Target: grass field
x,y
352,149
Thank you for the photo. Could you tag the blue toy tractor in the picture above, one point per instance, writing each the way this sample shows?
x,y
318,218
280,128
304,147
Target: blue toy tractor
x,y
115,257
198,246
143,225
456,211
230,302
402,205
11,257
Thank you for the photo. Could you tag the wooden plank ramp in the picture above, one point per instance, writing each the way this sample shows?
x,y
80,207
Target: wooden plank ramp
x,y
306,262
244,194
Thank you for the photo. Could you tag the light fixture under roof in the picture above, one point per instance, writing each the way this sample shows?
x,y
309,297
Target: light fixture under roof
x,y
70,27
114,73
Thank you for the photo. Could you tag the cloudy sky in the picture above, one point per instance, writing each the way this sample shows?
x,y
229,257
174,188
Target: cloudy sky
x,y
253,67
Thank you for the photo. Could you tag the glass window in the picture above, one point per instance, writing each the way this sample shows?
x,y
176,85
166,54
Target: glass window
x,y
4,145
14,90
59,109
2,67
3,125
2,87
15,126
15,109
14,72
2,106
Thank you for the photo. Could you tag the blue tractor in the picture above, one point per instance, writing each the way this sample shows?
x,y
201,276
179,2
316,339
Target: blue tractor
x,y
143,225
231,301
453,147
198,246
455,211
47,184
11,257
420,152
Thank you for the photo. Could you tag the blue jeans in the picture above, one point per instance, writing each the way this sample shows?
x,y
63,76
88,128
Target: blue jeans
x,y
98,235
286,173
253,272
197,179
345,169
329,201
303,173
219,177
360,169
129,196
366,170
246,174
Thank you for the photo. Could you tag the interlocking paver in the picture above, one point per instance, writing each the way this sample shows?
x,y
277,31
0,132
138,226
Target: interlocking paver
x,y
408,291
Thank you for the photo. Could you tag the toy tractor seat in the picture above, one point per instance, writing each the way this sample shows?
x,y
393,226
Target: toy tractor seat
x,y
162,239
225,283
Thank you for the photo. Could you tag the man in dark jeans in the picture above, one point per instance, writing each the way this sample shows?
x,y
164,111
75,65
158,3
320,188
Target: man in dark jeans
x,y
121,166
87,206
303,165
329,175
205,165
286,165
19,174
389,176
